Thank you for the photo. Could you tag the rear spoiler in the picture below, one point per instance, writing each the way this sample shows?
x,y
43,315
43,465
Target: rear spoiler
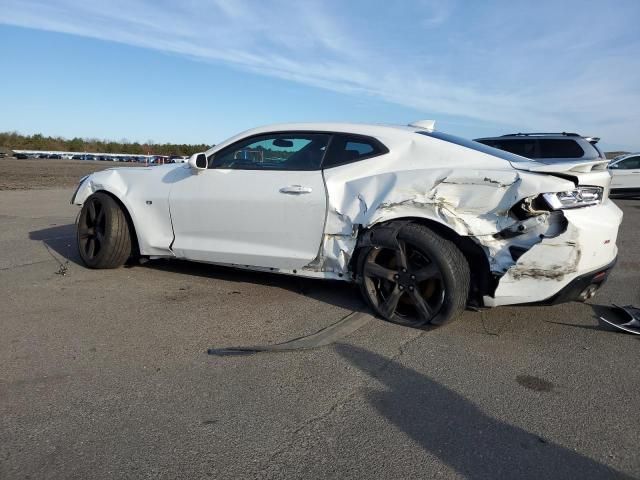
x,y
592,140
563,167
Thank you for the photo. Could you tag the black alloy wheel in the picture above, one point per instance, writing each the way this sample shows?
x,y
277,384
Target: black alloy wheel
x,y
91,229
423,281
104,239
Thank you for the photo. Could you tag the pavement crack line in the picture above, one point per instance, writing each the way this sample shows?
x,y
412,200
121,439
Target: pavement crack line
x,y
339,403
23,265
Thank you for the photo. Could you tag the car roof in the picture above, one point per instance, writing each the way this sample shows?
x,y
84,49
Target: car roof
x,y
369,129
340,127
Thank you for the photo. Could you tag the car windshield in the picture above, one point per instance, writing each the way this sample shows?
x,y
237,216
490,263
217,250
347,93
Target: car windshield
x,y
480,147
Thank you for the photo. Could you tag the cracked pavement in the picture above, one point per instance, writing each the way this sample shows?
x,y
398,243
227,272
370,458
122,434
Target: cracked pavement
x,y
105,374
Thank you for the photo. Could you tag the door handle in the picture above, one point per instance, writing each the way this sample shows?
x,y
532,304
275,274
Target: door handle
x,y
295,190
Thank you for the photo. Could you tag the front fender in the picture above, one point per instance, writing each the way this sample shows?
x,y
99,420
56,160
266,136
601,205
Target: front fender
x,y
146,200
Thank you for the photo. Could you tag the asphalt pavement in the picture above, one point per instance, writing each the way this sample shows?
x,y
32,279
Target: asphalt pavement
x,y
105,374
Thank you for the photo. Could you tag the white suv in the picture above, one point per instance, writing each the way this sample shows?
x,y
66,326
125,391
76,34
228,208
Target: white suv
x,y
548,147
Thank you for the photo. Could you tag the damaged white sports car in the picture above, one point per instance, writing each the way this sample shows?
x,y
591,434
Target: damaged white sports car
x,y
424,222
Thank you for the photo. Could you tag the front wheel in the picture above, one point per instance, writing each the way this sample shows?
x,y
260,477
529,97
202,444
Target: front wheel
x,y
104,240
422,282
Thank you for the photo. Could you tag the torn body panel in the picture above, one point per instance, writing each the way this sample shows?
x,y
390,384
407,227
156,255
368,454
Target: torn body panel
x,y
528,256
589,243
471,202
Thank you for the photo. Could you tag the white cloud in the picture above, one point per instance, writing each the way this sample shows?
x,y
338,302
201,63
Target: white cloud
x,y
499,75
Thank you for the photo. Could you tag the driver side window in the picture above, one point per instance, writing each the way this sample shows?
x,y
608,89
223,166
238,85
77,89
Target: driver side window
x,y
282,151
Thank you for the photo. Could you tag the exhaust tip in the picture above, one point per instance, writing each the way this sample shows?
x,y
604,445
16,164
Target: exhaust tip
x,y
588,292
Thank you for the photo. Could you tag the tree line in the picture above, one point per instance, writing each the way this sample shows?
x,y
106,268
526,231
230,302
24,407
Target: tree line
x,y
16,141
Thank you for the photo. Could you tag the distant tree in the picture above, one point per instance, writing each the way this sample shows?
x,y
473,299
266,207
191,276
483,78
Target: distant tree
x,y
16,141
76,144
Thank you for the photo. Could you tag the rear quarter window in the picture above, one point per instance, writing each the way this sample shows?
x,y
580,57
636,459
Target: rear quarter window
x,y
347,148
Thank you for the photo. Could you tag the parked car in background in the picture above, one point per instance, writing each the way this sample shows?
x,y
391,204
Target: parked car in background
x,y
22,156
548,147
178,159
424,222
625,175
159,160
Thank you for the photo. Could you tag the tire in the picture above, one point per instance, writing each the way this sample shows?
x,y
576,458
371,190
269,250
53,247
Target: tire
x,y
104,239
423,282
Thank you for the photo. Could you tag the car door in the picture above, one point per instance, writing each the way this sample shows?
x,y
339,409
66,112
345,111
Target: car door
x,y
625,173
261,202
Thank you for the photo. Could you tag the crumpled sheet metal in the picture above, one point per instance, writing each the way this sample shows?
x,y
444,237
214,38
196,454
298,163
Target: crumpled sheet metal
x,y
473,203
542,267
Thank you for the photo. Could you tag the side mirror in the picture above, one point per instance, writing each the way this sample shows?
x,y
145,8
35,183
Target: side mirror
x,y
198,161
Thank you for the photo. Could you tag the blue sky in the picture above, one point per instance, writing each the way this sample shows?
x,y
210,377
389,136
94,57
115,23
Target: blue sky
x,y
198,71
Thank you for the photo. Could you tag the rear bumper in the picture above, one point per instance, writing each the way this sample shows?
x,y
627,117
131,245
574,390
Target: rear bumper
x,y
555,268
581,288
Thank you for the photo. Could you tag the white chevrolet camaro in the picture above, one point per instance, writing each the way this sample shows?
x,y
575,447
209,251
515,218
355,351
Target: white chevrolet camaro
x,y
425,222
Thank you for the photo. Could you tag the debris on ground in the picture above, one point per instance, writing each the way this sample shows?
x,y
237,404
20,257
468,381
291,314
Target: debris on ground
x,y
630,322
64,267
343,327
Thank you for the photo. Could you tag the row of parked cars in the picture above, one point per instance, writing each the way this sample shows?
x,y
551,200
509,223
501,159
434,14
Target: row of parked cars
x,y
24,156
147,159
551,148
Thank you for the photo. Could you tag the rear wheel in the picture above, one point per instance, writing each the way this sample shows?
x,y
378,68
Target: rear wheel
x,y
422,282
104,240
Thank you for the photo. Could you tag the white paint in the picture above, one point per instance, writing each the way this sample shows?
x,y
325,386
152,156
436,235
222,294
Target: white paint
x,y
244,217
